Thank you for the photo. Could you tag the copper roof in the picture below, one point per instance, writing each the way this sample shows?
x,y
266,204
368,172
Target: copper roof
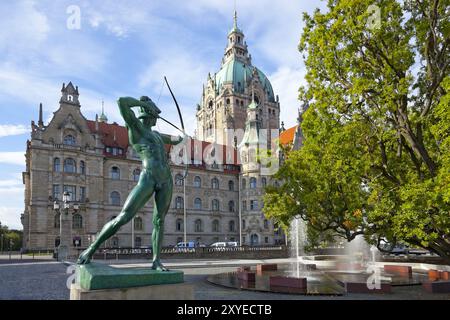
x,y
287,136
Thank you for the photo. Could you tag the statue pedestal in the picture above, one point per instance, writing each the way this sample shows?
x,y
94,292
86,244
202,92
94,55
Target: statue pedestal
x,y
95,281
181,291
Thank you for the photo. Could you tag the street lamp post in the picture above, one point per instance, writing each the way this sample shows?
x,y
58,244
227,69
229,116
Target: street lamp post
x,y
63,247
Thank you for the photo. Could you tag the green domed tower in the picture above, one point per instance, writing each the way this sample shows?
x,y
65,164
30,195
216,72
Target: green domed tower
x,y
222,112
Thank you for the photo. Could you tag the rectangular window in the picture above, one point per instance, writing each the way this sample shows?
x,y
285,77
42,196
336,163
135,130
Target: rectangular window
x,y
72,190
244,205
56,194
82,194
253,204
266,240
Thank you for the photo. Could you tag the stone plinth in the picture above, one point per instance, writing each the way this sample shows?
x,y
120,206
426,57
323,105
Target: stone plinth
x,y
246,276
405,271
444,275
180,291
260,268
96,276
280,281
437,286
361,287
433,275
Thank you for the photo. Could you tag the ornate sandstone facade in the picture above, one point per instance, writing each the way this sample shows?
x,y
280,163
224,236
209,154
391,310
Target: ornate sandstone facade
x,y
93,161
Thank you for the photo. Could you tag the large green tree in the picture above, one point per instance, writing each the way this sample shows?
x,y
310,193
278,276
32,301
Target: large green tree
x,y
376,153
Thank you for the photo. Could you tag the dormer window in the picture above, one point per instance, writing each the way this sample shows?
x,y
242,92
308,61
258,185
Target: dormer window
x,y
115,151
70,140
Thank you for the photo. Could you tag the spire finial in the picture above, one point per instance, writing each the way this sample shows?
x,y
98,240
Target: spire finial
x,y
103,117
40,121
235,17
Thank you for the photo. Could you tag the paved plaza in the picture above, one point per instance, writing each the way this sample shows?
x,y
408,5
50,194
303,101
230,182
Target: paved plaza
x,y
46,280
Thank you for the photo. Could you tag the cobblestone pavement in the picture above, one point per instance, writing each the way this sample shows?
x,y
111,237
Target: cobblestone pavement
x,y
47,280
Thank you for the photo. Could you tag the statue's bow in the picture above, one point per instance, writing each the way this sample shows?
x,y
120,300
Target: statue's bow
x,y
182,127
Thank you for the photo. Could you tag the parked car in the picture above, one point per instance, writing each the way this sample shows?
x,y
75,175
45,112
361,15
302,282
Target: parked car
x,y
224,244
189,244
218,245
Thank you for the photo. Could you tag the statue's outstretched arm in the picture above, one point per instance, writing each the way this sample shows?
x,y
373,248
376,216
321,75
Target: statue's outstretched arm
x,y
168,139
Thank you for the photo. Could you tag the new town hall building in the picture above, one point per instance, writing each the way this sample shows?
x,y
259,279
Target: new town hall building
x,y
93,161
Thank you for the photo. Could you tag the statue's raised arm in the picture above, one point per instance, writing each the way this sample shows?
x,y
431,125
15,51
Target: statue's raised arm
x,y
125,106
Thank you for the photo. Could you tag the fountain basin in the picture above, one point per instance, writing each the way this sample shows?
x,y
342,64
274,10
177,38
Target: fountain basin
x,y
280,281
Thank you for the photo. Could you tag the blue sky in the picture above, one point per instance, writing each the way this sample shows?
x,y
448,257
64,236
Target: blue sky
x,y
124,48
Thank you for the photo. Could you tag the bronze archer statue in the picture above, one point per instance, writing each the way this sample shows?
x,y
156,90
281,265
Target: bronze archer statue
x,y
155,176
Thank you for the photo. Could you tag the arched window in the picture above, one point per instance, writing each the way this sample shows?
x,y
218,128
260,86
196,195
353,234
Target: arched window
x,y
179,203
231,226
115,173
215,205
231,206
197,182
138,225
56,221
244,183
264,182
179,181
82,167
115,198
77,221
56,165
215,183
198,203
179,225
228,101
57,241
215,226
266,224
70,140
252,183
231,185
198,225
70,165
136,174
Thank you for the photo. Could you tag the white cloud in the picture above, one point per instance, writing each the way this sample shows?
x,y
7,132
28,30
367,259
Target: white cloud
x,y
10,216
13,130
15,158
10,183
24,27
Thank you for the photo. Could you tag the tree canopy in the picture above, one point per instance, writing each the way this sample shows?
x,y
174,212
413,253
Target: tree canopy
x,y
375,158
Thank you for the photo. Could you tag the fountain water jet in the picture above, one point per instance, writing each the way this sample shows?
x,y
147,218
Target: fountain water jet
x,y
298,242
